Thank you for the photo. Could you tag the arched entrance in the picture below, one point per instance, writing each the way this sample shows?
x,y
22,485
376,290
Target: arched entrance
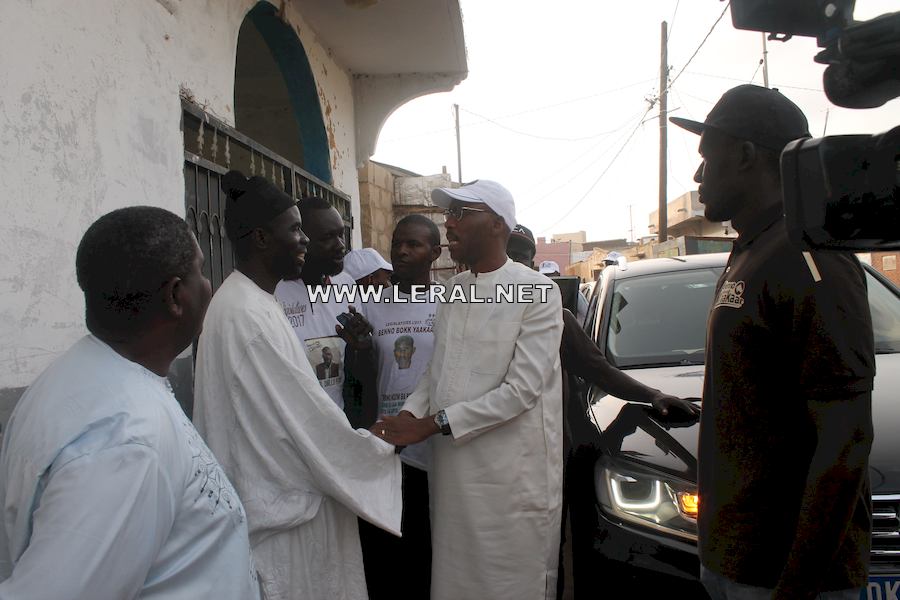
x,y
275,98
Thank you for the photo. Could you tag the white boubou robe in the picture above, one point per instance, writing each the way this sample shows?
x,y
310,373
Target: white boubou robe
x,y
496,483
301,471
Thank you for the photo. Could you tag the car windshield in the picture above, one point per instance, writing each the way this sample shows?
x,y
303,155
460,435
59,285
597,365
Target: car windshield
x,y
885,306
660,319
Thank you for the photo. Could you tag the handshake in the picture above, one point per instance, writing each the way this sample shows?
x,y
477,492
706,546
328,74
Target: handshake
x,y
405,429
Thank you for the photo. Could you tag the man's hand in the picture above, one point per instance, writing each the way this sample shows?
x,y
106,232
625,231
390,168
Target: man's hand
x,y
663,403
357,334
405,429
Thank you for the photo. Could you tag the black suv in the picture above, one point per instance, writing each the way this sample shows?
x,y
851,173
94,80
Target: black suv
x,y
632,479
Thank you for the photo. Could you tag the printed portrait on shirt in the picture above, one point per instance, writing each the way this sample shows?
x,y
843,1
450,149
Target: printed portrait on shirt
x,y
404,348
324,355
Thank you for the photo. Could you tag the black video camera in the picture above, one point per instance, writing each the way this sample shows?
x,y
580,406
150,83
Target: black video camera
x,y
840,192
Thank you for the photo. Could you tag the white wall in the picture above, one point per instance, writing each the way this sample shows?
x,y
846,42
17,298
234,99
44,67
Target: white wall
x,y
90,121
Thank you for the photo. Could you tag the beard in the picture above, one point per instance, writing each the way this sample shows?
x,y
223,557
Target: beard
x,y
287,268
326,267
721,209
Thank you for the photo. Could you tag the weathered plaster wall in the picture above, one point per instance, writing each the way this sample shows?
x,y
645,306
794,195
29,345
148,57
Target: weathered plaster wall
x,y
376,190
90,121
335,87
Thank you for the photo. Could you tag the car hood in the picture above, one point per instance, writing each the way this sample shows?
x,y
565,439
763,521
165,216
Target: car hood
x,y
638,434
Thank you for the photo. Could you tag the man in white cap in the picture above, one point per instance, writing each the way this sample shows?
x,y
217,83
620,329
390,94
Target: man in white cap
x,y
492,394
550,268
366,267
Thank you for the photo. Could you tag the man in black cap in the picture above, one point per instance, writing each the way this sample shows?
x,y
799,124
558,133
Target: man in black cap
x,y
786,427
303,472
521,247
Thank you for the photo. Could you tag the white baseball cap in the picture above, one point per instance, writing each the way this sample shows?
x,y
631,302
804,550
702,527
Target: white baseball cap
x,y
483,191
363,262
548,266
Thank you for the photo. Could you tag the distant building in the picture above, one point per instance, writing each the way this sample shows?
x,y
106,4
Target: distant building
x,y
387,194
885,263
615,243
684,216
558,252
578,237
688,232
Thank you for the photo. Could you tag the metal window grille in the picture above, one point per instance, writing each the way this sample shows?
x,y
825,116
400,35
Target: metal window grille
x,y
211,149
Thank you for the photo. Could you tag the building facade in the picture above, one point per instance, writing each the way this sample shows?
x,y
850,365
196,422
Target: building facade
x,y
108,104
684,216
388,194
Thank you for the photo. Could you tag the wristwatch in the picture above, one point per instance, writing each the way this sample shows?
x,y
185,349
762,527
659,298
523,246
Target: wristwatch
x,y
440,419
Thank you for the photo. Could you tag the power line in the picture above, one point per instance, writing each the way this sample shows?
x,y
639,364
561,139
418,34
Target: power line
x,y
672,21
704,100
788,87
526,111
683,103
758,65
605,171
572,162
579,99
706,37
539,137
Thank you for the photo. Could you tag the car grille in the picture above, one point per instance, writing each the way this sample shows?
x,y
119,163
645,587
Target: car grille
x,y
885,530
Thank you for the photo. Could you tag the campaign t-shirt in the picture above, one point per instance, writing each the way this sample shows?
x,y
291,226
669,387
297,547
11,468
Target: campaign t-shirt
x,y
313,323
403,339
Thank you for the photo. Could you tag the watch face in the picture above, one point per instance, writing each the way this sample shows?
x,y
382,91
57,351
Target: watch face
x,y
442,421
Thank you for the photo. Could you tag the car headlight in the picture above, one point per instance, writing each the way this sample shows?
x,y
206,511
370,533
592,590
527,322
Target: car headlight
x,y
648,499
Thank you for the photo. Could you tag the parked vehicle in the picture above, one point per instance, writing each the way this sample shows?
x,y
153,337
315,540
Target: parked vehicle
x,y
632,479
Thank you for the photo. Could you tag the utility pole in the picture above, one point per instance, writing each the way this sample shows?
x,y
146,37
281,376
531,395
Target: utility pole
x,y
630,224
458,153
663,233
765,62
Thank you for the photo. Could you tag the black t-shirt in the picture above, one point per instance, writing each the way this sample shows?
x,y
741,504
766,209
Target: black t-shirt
x,y
786,327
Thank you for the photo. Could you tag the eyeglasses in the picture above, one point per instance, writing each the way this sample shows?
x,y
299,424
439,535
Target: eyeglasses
x,y
460,211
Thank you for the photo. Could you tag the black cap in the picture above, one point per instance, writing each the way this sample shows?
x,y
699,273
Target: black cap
x,y
522,232
251,203
755,114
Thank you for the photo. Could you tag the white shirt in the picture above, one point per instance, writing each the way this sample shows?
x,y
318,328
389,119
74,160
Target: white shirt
x,y
496,482
400,364
303,473
314,323
108,491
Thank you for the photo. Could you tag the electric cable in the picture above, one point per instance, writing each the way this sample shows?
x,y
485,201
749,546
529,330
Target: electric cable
x,y
590,164
758,65
706,37
539,137
672,22
523,112
605,171
787,87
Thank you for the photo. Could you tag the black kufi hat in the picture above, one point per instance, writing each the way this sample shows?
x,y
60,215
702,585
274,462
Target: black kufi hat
x,y
251,203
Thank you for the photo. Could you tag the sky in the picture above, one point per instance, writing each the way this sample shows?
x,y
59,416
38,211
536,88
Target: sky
x,y
554,106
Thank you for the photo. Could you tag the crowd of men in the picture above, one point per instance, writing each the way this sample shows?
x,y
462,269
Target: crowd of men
x,y
447,480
